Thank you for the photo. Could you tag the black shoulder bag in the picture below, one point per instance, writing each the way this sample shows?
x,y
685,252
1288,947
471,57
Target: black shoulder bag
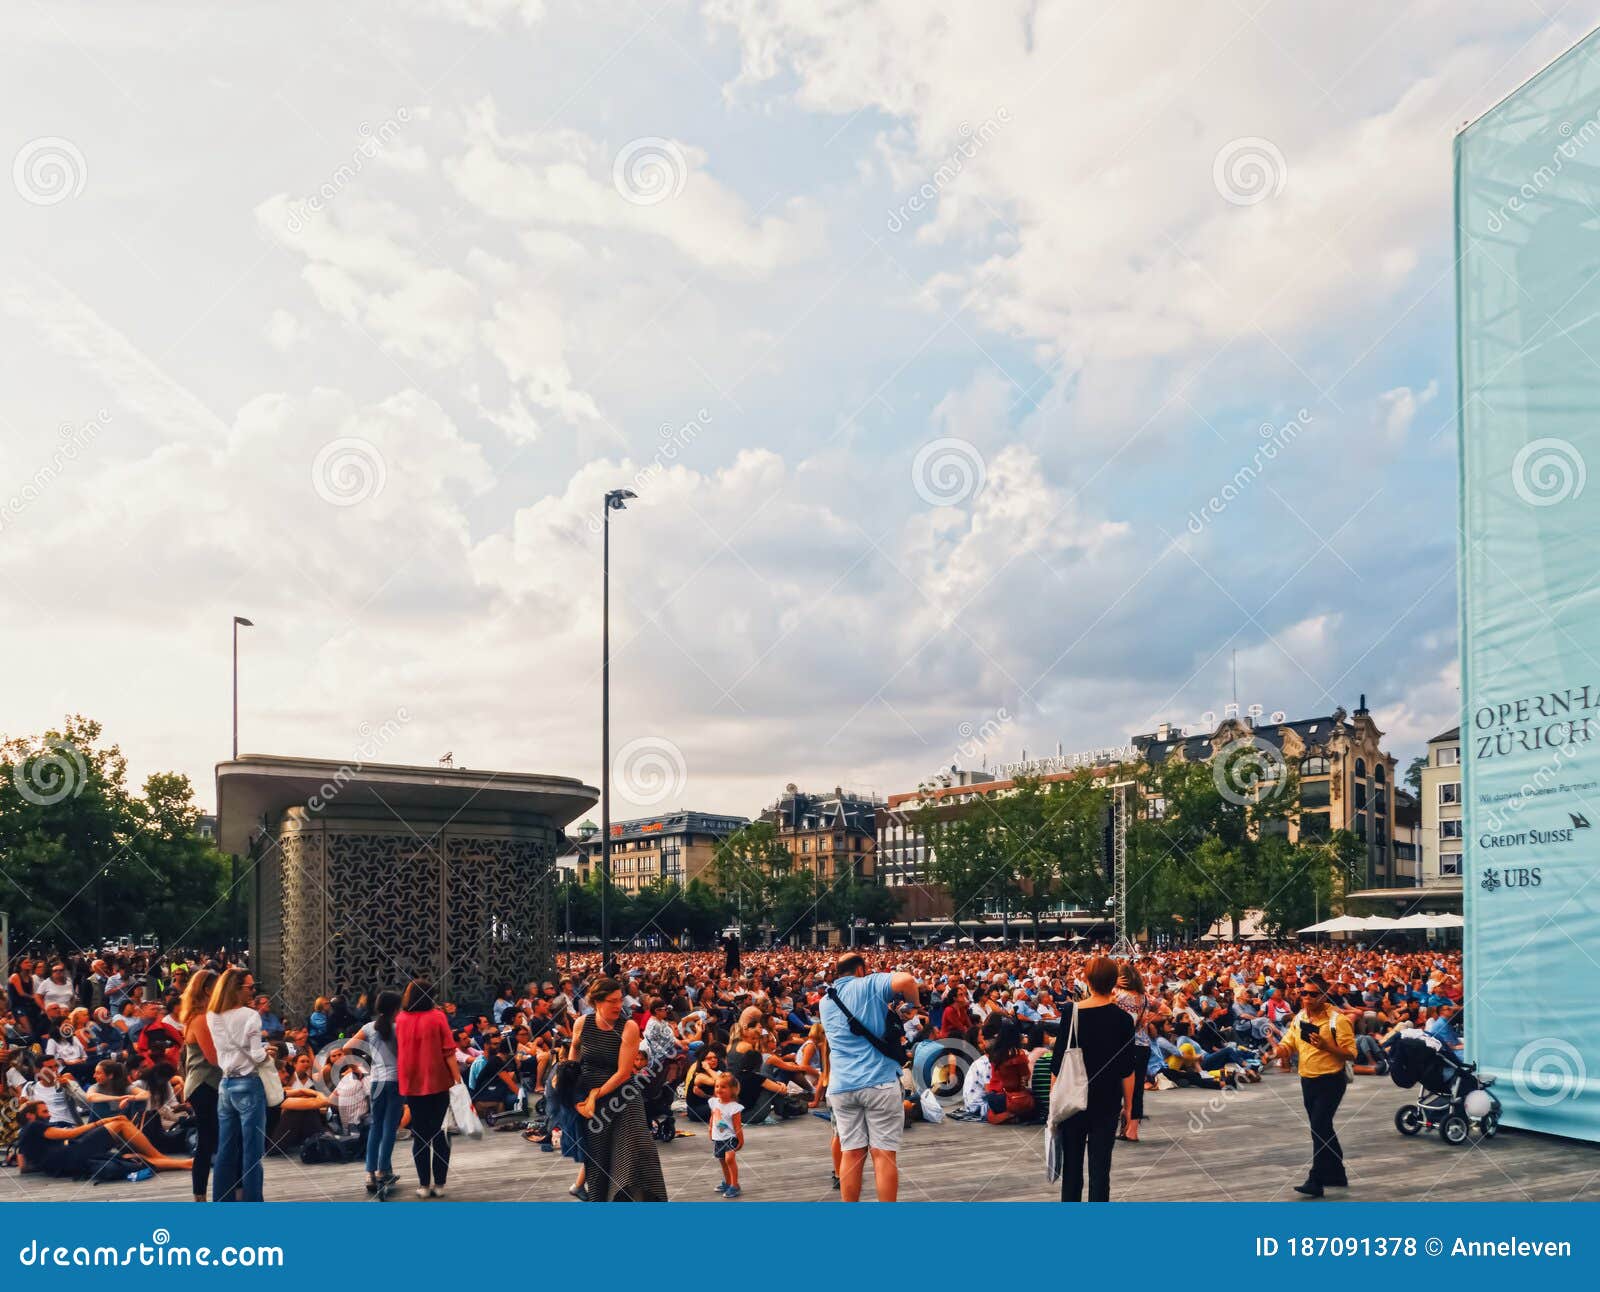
x,y
892,1044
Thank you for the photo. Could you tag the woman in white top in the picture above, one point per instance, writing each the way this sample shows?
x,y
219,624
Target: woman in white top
x,y
383,1090
241,1098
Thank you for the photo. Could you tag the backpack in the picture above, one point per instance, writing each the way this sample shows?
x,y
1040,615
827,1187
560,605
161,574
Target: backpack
x,y
106,1167
892,1044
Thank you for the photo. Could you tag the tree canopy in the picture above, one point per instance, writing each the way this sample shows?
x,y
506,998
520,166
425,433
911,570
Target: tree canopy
x,y
83,858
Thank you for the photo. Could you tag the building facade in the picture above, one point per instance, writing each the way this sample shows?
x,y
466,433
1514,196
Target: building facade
x,y
1441,809
679,846
828,834
1347,781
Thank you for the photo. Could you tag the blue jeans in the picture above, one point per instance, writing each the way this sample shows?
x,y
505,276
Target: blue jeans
x,y
241,1139
386,1109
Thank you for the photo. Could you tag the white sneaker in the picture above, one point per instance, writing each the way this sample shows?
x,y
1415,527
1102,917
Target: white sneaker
x,y
438,1191
424,1193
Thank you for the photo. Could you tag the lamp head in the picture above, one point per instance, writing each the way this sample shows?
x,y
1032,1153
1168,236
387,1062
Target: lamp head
x,y
243,622
617,499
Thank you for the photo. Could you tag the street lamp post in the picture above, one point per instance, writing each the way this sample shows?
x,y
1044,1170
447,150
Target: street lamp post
x,y
239,621
615,500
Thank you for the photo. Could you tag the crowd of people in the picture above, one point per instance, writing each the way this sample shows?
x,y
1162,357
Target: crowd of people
x,y
125,1064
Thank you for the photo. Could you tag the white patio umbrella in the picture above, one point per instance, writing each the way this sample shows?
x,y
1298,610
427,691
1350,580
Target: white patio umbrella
x,y
1057,938
1448,920
1077,937
991,940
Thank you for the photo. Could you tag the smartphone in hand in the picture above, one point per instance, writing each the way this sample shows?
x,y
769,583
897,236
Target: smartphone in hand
x,y
1307,1030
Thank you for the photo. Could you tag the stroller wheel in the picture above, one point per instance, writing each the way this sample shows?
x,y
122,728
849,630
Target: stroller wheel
x,y
1489,1125
1407,1120
1453,1129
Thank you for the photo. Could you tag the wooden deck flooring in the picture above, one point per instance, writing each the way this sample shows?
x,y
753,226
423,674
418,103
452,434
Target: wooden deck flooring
x,y
1197,1146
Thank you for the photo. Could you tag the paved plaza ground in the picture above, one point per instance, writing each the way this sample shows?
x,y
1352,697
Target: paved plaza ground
x,y
1197,1146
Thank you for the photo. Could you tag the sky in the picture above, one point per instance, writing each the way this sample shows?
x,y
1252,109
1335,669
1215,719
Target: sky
x,y
991,377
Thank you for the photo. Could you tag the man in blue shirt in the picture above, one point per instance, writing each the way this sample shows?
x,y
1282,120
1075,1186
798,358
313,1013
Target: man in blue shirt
x,y
1442,1027
863,1082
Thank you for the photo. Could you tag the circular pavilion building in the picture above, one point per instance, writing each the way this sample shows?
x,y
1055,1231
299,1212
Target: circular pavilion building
x,y
358,877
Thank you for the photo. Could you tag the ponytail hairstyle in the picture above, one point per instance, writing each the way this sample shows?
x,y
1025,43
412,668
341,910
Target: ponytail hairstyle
x,y
388,1007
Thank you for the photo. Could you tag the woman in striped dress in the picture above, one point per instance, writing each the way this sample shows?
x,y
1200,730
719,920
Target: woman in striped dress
x,y
622,1165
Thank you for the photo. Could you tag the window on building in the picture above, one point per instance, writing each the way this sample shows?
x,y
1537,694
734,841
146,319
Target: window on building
x,y
1377,773
1315,765
1314,793
1361,769
1313,825
1449,863
1449,793
1450,829
1447,756
1360,827
1361,794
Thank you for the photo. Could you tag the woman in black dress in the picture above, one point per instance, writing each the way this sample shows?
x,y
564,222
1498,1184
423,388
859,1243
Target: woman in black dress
x,y
1105,1035
622,1165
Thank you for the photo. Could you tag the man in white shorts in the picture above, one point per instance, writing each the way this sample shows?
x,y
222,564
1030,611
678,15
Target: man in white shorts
x,y
864,1082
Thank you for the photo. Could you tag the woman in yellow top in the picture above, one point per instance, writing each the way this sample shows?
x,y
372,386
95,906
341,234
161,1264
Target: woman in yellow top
x,y
1323,1040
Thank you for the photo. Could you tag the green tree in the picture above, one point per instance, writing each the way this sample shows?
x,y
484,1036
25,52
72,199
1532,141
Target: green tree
x,y
1413,778
746,869
79,852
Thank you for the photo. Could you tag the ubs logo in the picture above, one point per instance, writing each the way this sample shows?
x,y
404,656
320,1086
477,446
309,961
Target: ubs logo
x,y
1514,877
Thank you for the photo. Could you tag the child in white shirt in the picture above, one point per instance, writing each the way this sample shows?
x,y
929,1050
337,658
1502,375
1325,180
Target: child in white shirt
x,y
727,1131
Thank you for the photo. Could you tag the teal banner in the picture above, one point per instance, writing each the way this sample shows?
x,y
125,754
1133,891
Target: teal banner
x,y
1528,335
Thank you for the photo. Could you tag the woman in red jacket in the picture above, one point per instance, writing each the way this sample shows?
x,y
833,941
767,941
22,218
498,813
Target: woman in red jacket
x,y
426,1054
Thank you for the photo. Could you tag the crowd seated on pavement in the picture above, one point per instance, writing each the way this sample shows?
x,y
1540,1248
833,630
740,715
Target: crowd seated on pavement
x,y
92,1047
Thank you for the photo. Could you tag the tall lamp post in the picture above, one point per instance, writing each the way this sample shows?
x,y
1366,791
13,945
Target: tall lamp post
x,y
616,500
239,621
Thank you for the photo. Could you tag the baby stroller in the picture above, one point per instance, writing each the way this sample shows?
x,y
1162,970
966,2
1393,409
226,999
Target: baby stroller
x,y
1452,1097
661,1082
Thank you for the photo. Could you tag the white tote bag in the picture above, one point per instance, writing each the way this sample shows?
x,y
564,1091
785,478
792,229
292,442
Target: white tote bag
x,y
1070,1093
463,1116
